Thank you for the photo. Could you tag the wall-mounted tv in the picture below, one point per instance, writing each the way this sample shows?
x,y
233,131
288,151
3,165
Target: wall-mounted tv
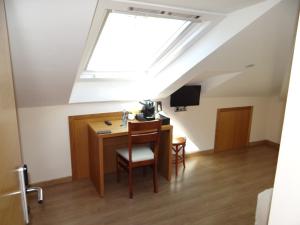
x,y
186,96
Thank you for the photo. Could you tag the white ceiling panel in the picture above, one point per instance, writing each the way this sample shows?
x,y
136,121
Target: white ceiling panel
x,y
267,44
47,38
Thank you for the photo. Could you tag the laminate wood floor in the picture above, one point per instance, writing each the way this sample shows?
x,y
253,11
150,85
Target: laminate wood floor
x,y
216,189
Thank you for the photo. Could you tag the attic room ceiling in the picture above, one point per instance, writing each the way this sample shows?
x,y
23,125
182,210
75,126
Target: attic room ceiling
x,y
48,39
267,48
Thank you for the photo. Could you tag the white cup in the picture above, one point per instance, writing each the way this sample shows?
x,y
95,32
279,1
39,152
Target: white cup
x,y
131,116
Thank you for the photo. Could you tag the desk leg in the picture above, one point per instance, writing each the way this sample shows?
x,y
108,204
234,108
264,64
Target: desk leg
x,y
170,165
165,154
96,161
101,167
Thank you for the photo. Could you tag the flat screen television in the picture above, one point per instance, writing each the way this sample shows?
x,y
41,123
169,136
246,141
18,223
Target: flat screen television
x,y
186,96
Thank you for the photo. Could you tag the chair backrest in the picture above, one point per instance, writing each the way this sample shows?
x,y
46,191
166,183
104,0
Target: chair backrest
x,y
144,133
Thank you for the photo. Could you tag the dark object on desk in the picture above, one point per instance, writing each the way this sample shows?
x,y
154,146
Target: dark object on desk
x,y
164,120
108,122
148,110
141,117
104,132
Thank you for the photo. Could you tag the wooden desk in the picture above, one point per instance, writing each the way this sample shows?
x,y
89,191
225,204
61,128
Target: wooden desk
x,y
102,150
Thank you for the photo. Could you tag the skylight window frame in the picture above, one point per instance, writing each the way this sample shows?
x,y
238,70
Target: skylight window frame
x,y
186,31
188,39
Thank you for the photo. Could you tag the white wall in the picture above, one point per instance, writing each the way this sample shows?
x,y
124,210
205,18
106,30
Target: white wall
x,y
45,136
285,207
45,131
198,123
275,119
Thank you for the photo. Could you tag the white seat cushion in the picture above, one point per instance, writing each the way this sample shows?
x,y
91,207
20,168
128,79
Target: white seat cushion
x,y
139,153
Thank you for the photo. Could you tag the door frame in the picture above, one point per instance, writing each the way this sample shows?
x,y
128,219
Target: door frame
x,y
230,109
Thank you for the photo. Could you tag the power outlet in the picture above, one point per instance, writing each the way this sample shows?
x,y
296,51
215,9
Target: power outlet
x,y
180,109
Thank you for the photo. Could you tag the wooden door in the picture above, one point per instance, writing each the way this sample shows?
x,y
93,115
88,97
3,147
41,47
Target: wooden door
x,y
233,128
10,157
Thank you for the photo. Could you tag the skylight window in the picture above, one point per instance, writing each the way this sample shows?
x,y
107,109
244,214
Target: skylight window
x,y
130,44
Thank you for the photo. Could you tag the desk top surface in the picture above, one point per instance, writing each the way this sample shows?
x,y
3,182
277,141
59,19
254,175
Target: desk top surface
x,y
116,128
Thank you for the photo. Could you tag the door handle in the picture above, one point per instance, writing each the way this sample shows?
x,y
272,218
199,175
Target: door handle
x,y
23,194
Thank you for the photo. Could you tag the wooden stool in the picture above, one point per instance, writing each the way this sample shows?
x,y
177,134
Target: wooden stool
x,y
178,145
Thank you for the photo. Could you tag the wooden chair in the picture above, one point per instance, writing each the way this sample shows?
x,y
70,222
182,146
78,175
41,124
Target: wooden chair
x,y
142,151
178,145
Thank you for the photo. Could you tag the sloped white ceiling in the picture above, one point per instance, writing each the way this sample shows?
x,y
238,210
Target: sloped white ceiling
x,y
267,43
230,28
48,37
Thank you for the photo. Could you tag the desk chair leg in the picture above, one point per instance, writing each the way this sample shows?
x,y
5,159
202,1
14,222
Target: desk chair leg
x,y
118,169
130,182
183,156
155,178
